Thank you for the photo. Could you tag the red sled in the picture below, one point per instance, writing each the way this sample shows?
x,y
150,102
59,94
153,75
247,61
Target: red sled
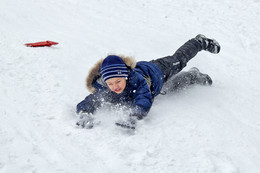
x,y
41,44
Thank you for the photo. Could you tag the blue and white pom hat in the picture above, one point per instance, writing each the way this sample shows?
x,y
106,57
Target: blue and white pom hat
x,y
113,66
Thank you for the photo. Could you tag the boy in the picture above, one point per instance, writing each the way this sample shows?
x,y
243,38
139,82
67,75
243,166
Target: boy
x,y
120,80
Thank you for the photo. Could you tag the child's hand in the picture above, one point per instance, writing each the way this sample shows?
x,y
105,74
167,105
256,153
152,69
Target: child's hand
x,y
138,116
86,121
130,123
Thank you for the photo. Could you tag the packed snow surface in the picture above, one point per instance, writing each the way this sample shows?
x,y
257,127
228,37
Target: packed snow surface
x,y
198,130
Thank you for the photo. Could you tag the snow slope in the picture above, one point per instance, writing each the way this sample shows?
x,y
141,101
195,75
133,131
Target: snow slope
x,y
202,129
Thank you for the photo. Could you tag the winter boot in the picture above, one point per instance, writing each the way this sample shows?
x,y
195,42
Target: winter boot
x,y
207,44
200,78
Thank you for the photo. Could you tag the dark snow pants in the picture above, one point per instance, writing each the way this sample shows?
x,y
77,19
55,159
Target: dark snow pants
x,y
172,65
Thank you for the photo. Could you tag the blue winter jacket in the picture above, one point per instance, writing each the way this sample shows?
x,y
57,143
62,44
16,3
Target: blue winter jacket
x,y
144,82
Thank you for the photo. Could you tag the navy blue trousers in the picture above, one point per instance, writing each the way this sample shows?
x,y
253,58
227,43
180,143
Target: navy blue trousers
x,y
171,67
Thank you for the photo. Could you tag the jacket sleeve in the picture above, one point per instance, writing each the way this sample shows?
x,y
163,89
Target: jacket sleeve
x,y
90,103
142,98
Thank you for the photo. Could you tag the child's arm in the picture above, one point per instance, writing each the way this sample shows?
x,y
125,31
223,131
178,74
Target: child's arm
x,y
142,99
90,103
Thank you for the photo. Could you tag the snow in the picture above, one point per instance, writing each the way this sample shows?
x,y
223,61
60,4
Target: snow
x,y
201,129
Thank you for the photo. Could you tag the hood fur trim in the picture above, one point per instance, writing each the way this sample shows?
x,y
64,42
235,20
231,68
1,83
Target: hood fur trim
x,y
94,72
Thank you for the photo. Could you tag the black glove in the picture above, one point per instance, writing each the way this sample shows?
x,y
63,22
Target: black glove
x,y
138,116
129,123
86,120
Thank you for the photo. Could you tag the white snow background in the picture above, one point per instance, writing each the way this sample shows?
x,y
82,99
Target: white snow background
x,y
199,130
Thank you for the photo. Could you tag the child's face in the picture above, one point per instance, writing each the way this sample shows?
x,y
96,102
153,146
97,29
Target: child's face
x,y
116,85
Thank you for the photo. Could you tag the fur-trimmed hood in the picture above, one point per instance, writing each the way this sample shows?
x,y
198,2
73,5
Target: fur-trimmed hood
x,y
94,72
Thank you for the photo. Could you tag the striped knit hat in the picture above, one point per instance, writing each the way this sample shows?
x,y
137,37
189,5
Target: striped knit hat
x,y
113,66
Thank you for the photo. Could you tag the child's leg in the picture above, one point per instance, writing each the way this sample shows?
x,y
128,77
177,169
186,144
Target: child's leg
x,y
171,65
184,79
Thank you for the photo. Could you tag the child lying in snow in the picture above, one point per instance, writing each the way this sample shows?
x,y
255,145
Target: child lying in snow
x,y
120,80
